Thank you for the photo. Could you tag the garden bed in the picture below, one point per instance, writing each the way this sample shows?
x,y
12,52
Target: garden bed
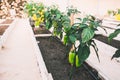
x,y
41,30
53,52
104,39
7,21
3,27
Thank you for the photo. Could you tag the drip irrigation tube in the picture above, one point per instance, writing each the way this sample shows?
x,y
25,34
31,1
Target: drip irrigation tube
x,y
91,73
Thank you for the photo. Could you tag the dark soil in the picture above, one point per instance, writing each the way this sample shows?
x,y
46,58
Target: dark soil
x,y
53,52
41,30
8,21
114,43
4,27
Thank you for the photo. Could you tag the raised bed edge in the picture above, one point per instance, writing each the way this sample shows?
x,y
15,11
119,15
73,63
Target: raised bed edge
x,y
5,35
100,73
41,64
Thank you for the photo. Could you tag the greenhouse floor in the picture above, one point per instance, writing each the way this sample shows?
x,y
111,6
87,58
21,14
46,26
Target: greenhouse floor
x,y
107,69
17,59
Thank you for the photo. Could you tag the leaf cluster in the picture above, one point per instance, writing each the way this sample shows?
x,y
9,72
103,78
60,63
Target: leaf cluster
x,y
56,19
33,8
72,10
111,36
84,32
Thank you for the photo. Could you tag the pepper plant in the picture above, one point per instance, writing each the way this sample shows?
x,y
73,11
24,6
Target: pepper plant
x,y
36,12
111,36
56,19
84,33
72,10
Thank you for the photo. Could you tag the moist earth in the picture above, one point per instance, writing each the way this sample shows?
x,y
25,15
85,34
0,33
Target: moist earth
x,y
4,27
53,52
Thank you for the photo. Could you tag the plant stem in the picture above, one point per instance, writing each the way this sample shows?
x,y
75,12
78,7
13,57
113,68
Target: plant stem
x,y
71,72
73,67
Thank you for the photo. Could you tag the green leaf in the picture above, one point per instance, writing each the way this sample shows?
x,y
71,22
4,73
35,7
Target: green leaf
x,y
58,30
61,35
83,53
76,24
96,23
46,14
84,20
96,49
74,27
87,34
72,38
79,19
37,23
114,34
66,24
92,17
83,25
103,29
48,25
65,40
58,16
66,28
118,25
116,55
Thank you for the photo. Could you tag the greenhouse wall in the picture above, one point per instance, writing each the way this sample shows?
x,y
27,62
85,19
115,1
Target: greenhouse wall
x,y
61,3
94,7
85,6
105,5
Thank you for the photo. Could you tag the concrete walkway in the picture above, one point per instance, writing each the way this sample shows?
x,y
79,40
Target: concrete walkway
x,y
18,60
108,69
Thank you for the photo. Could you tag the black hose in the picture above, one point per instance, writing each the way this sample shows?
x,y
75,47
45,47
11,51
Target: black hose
x,y
91,73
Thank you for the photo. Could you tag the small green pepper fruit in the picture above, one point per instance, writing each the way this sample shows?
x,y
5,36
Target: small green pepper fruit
x,y
71,57
77,61
65,39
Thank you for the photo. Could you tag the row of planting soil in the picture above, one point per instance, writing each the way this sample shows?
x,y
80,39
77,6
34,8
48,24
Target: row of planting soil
x,y
104,39
4,27
53,52
54,55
